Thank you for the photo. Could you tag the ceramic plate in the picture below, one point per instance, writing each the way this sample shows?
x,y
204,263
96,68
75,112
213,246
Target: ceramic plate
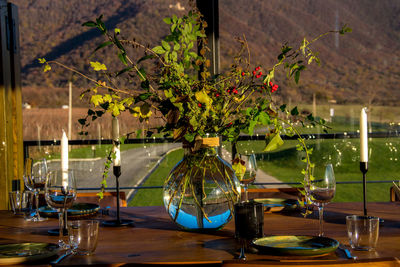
x,y
77,209
278,204
26,252
295,245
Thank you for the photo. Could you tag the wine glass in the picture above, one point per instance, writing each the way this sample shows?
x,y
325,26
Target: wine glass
x,y
249,174
35,179
321,192
60,193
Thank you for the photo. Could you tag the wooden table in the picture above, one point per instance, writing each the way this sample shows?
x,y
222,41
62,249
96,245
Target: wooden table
x,y
156,239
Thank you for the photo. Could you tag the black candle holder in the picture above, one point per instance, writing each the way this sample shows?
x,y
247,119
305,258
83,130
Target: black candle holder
x,y
364,169
118,222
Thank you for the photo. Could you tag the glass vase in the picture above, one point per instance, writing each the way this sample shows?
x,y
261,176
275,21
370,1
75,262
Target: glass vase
x,y
201,190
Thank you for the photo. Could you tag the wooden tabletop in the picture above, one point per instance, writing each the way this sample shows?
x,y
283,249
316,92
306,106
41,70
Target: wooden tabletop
x,y
156,239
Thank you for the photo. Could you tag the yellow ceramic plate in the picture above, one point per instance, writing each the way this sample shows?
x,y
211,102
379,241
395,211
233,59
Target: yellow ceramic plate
x,y
26,252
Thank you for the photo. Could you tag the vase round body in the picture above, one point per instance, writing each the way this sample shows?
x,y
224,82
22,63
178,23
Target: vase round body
x,y
201,190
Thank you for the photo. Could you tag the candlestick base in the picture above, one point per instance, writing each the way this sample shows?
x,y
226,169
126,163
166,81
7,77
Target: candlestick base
x,y
118,223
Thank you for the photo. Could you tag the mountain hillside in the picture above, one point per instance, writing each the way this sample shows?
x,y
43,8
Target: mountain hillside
x,y
360,67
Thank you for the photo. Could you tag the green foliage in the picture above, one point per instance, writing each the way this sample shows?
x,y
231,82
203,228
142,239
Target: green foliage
x,y
182,90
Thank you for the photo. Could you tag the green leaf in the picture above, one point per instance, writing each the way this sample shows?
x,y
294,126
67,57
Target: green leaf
x,y
103,45
82,121
42,60
165,45
275,141
145,84
264,118
189,137
159,50
167,20
122,57
89,24
123,71
345,29
145,58
97,66
285,49
107,98
194,122
294,111
117,31
174,56
297,76
143,97
251,127
142,74
96,99
177,47
203,98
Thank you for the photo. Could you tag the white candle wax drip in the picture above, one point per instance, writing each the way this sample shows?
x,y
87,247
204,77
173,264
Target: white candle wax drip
x,y
363,136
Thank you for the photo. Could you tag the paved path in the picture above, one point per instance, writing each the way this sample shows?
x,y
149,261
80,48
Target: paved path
x,y
261,176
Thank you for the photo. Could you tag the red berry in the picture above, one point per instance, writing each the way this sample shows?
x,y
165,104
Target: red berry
x,y
243,73
260,73
271,84
199,105
217,94
254,72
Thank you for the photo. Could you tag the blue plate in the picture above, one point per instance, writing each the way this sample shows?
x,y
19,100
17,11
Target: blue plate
x,y
77,209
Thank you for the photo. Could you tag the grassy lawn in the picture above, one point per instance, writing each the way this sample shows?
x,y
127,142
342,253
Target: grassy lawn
x,y
286,165
344,155
154,197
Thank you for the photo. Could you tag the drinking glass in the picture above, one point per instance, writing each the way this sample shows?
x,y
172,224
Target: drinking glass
x,y
60,193
35,179
249,223
250,173
83,236
322,190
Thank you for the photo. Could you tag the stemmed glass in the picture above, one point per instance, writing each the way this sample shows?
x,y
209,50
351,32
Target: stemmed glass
x,y
60,192
321,192
35,179
250,173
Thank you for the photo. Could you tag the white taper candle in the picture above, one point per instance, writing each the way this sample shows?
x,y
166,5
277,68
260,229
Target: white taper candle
x,y
115,137
363,136
64,157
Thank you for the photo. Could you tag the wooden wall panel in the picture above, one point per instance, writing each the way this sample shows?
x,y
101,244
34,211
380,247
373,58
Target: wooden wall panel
x,y
11,151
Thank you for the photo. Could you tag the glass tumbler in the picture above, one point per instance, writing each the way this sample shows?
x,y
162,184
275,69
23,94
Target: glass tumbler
x,y
363,232
83,236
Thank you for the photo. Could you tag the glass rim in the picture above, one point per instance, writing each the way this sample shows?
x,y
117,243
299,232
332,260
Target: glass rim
x,y
362,217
